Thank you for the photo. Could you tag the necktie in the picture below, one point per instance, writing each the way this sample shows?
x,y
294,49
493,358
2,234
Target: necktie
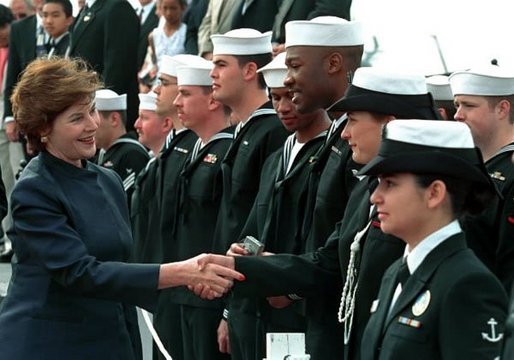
x,y
141,15
401,278
51,46
403,273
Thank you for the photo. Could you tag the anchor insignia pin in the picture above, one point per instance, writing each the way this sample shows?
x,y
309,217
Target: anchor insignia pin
x,y
493,337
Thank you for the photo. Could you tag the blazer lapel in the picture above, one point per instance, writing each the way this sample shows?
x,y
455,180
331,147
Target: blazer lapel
x,y
412,288
281,14
148,21
83,21
30,40
217,8
247,4
385,298
62,45
418,280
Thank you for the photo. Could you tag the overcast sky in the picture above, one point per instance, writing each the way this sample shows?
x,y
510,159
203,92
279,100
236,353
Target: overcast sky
x,y
470,32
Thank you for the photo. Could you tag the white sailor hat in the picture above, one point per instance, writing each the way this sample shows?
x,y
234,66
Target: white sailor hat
x,y
324,31
148,101
241,42
275,72
169,64
197,74
430,148
439,87
487,81
390,92
108,100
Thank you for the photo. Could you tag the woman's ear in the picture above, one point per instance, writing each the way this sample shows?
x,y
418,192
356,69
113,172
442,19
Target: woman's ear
x,y
44,132
436,194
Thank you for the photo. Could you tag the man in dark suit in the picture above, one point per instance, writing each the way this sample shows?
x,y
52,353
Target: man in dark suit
x,y
255,14
149,21
193,18
290,10
104,34
57,18
22,50
21,8
24,37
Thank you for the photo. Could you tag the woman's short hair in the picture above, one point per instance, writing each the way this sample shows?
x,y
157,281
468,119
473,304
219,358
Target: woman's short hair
x,y
46,88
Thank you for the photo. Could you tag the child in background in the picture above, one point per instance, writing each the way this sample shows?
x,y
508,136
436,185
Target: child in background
x,y
57,18
169,38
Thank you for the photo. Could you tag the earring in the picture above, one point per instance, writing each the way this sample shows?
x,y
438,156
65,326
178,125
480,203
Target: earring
x,y
44,139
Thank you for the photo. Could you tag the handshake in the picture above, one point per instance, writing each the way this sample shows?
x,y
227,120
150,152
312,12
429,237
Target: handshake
x,y
217,272
212,275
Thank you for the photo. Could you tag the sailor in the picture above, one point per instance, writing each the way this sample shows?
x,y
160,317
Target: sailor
x,y
322,56
173,157
484,99
197,206
358,252
277,215
439,87
438,301
152,130
237,55
118,150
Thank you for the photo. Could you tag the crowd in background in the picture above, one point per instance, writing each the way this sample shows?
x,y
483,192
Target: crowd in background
x,y
234,125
